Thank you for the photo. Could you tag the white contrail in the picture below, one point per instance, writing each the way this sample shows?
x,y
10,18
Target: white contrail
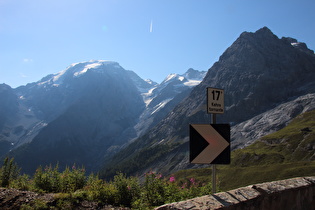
x,y
151,27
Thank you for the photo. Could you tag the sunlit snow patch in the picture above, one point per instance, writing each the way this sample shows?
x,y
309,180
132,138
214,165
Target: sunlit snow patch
x,y
192,83
59,75
169,77
181,78
161,105
147,96
87,67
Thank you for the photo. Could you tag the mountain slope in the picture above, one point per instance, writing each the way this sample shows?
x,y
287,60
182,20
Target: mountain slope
x,y
287,153
8,109
258,72
93,107
295,142
85,113
8,105
245,133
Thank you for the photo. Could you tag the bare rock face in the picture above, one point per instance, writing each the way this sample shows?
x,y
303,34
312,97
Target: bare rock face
x,y
260,71
245,133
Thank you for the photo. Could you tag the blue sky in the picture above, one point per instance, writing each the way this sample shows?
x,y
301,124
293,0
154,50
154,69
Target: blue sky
x,y
40,37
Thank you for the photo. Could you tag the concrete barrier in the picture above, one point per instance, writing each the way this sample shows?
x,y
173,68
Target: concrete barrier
x,y
296,193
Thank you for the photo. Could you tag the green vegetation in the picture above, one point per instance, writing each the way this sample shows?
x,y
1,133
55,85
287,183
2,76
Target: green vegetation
x,y
8,172
140,159
72,186
231,177
284,154
295,142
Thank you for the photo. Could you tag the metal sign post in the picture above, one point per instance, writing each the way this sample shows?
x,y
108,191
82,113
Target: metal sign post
x,y
215,104
210,143
214,175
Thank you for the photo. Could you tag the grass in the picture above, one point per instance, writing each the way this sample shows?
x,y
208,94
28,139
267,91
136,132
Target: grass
x,y
293,143
234,177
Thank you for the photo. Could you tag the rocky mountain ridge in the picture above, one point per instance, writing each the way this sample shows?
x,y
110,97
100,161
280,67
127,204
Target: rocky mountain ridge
x,y
258,72
162,98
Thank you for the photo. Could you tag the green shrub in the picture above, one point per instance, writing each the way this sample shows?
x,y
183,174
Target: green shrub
x,y
51,180
100,191
35,205
173,192
72,180
47,180
9,172
73,187
22,183
128,189
66,201
154,189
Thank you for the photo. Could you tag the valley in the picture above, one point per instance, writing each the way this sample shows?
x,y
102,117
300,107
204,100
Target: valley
x,y
104,117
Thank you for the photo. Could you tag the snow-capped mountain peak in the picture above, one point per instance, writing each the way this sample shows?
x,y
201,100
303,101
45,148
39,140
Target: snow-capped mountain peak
x,y
87,67
170,77
76,70
149,81
161,98
190,78
172,85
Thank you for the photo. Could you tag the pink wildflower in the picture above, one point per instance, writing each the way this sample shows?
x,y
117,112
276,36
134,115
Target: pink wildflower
x,y
149,173
172,179
184,185
192,180
158,176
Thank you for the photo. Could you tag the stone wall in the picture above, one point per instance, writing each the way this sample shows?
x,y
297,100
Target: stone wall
x,y
296,193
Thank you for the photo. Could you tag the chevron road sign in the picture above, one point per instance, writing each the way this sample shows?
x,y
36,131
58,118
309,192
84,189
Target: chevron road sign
x,y
210,143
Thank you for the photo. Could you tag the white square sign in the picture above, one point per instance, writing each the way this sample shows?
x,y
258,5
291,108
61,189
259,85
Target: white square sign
x,y
215,101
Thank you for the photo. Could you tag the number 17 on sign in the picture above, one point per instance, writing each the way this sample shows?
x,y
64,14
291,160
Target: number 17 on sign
x,y
215,102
